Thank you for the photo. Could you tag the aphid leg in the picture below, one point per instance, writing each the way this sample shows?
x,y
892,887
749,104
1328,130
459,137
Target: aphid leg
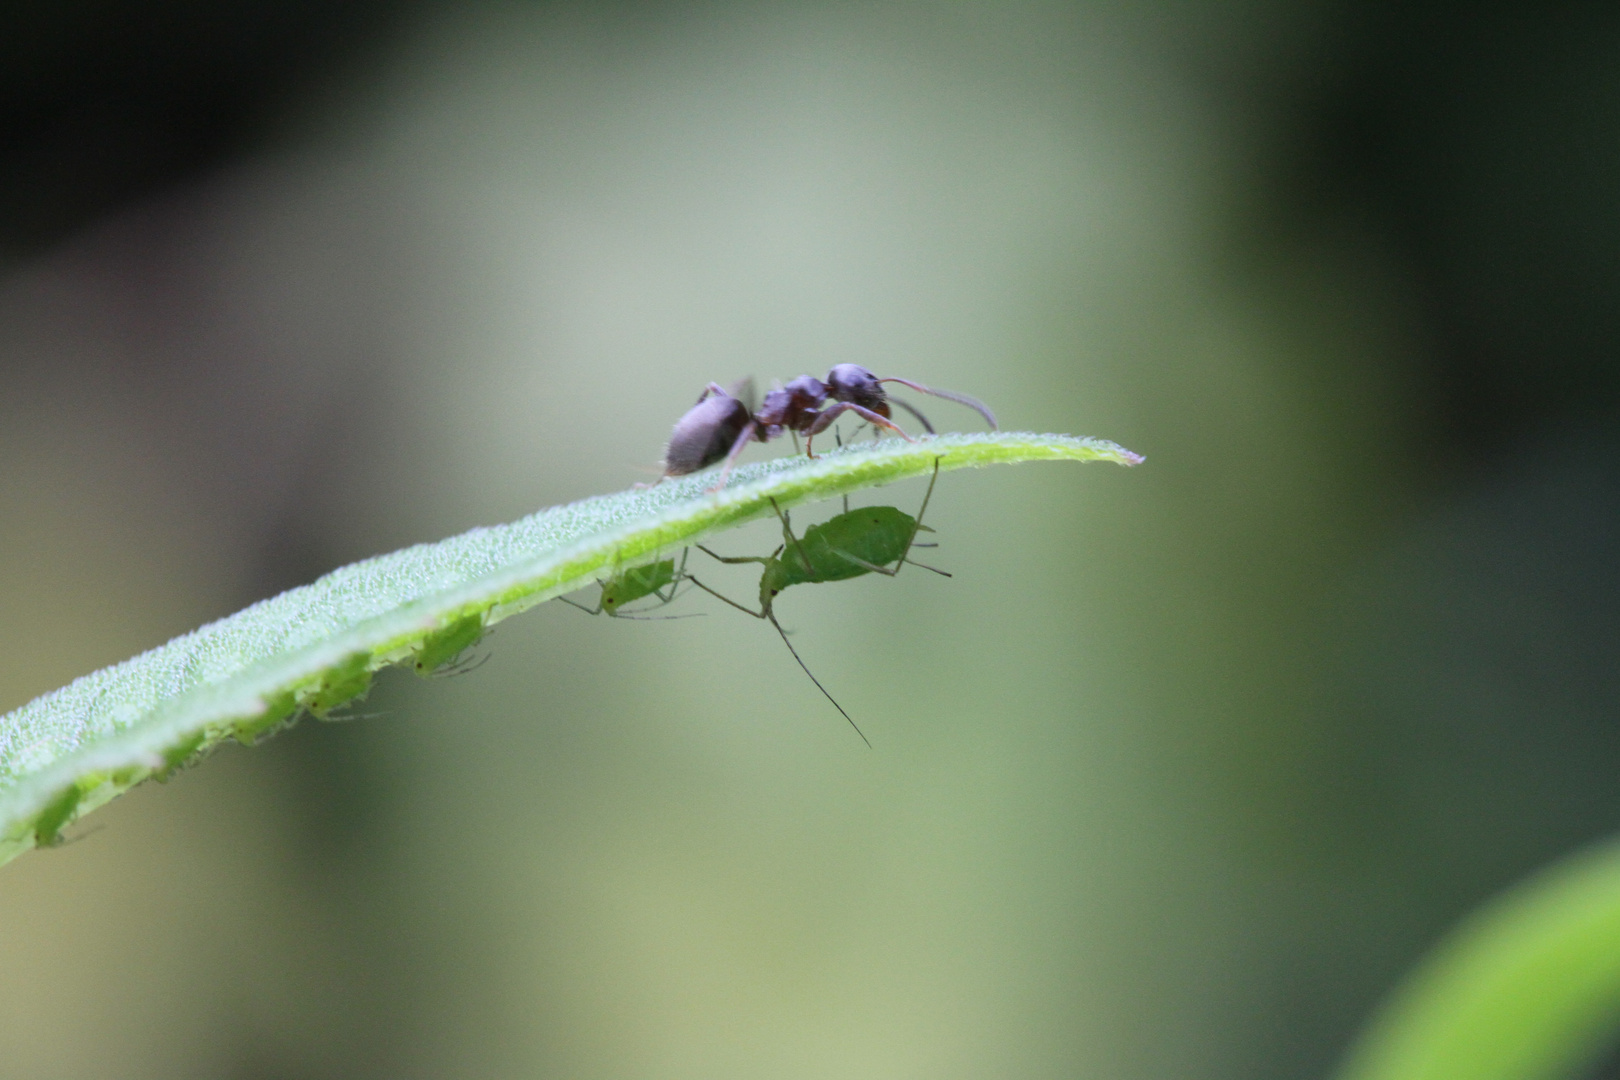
x,y
961,399
827,416
793,541
678,575
597,610
840,440
722,596
771,616
729,559
916,527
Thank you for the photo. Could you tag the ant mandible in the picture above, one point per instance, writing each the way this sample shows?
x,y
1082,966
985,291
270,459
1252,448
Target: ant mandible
x,y
720,424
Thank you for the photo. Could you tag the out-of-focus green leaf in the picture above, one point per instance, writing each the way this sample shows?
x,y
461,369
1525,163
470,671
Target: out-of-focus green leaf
x,y
1527,988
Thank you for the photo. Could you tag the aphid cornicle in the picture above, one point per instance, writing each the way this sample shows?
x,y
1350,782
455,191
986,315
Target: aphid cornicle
x,y
856,542
722,423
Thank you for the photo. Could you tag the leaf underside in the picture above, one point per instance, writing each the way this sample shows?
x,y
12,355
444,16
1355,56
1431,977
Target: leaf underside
x,y
316,647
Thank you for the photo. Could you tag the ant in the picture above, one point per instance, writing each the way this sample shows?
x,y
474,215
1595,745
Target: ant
x,y
628,586
855,542
721,423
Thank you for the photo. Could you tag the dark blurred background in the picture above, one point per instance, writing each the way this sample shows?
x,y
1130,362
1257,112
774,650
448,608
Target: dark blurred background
x,y
1174,778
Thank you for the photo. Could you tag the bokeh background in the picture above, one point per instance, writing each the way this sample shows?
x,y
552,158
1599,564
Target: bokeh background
x,y
1176,775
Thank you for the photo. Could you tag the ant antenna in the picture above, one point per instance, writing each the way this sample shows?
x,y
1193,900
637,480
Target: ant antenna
x,y
823,689
961,399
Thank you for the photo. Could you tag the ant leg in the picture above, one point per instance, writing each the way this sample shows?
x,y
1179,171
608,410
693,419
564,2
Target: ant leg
x,y
961,399
743,436
769,615
729,600
825,418
921,419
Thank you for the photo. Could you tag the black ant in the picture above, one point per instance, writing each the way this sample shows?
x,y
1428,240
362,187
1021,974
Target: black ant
x,y
721,423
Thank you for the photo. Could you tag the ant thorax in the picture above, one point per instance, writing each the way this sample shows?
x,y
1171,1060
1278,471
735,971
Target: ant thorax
x,y
792,407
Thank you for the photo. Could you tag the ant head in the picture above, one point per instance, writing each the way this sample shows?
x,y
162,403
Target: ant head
x,y
855,384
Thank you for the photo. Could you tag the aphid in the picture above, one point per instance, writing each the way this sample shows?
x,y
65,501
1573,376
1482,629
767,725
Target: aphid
x,y
856,542
722,423
636,583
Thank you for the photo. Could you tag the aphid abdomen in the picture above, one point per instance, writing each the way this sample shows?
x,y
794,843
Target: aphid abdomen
x,y
705,434
878,535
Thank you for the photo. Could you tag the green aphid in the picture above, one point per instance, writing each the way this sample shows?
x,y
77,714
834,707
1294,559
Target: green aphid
x,y
856,542
277,711
56,815
658,580
340,684
442,649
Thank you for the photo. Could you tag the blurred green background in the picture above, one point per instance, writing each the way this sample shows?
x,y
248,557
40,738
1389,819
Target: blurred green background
x,y
1176,775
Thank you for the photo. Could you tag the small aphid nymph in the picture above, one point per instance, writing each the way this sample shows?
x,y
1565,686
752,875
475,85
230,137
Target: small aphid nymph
x,y
658,579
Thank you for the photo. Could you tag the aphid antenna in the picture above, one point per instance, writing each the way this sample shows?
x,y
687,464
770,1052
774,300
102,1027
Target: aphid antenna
x,y
461,667
772,616
63,841
661,618
344,718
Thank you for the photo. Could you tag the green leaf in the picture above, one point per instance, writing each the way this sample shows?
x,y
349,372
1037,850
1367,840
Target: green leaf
x,y
317,647
1527,988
